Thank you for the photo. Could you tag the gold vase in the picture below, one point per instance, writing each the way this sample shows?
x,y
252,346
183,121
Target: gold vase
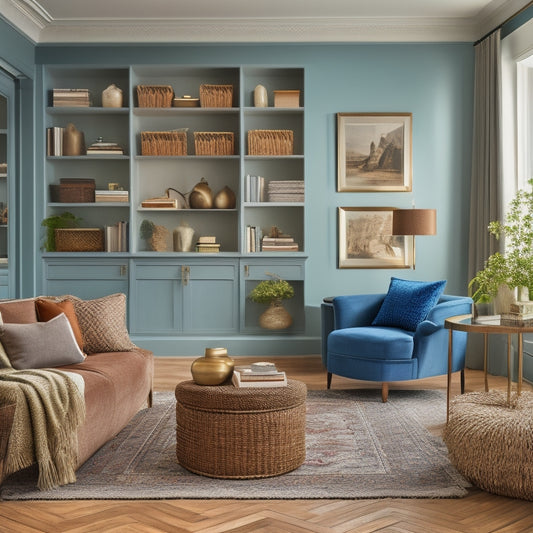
x,y
214,368
275,317
73,141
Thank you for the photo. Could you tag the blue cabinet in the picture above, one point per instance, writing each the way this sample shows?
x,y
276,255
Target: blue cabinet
x,y
85,278
189,296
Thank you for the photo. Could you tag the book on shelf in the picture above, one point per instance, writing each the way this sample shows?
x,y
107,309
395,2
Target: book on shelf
x,y
255,189
101,148
160,203
207,247
283,243
54,141
71,98
111,196
116,237
286,191
253,238
239,380
207,239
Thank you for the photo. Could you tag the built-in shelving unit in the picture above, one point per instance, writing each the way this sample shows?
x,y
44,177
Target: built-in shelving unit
x,y
169,287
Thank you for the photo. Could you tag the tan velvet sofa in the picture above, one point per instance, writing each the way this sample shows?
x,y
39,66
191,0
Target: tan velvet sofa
x,y
116,383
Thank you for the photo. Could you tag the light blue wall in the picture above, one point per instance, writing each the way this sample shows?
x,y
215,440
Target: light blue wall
x,y
16,50
432,81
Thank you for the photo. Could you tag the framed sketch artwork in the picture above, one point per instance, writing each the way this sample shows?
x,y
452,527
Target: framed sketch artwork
x,y
374,152
366,240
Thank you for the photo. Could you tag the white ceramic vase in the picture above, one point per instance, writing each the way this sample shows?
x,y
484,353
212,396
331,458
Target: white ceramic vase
x,y
260,96
112,96
183,238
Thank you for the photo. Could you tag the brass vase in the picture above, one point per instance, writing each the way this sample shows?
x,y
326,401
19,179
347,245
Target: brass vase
x,y
212,369
73,141
225,199
275,317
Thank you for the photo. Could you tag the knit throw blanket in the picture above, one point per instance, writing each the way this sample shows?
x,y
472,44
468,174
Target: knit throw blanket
x,y
49,409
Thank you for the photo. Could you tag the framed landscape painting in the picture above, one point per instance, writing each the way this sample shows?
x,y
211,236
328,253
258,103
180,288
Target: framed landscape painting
x,y
366,240
374,152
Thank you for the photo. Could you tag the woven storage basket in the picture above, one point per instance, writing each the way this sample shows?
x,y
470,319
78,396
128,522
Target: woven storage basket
x,y
216,95
73,191
79,240
214,143
163,143
270,142
155,95
229,432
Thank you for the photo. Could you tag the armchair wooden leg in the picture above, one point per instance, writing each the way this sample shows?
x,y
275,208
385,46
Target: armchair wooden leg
x,y
329,380
150,399
384,392
463,381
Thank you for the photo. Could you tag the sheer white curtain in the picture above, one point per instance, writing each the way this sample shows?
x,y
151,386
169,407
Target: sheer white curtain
x,y
486,189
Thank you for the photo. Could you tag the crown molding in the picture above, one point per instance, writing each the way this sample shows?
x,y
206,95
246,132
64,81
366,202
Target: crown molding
x,y
304,30
494,15
27,16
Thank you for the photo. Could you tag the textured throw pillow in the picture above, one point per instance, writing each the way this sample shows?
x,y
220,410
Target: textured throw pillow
x,y
103,324
408,303
41,344
4,359
47,309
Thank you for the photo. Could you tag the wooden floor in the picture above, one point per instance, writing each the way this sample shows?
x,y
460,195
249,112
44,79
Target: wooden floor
x,y
479,512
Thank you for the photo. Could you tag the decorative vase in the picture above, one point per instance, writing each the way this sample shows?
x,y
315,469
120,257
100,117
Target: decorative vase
x,y
158,240
183,238
225,199
275,317
503,300
201,196
112,96
214,368
522,294
73,141
260,97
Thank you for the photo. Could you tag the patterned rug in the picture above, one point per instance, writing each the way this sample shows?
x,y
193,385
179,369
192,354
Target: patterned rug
x,y
357,447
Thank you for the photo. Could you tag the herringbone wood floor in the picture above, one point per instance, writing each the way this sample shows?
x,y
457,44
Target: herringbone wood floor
x,y
479,512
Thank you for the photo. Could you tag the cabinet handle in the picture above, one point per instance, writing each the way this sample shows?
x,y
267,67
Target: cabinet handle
x,y
185,274
246,271
123,270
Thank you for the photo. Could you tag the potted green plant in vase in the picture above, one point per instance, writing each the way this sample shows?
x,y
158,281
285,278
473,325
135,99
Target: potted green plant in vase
x,y
272,292
511,271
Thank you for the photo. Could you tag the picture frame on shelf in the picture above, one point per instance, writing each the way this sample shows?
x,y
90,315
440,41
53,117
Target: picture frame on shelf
x,y
365,239
374,152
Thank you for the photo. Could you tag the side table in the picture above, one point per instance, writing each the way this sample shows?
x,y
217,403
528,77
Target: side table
x,y
230,432
486,325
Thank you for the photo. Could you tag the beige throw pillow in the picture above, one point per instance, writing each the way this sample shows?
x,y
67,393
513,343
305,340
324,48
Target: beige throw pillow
x,y
103,324
41,344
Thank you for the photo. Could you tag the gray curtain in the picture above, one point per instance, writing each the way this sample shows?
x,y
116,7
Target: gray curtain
x,y
486,180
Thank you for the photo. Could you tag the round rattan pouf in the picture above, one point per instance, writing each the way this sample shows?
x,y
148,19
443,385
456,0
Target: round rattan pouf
x,y
229,432
491,444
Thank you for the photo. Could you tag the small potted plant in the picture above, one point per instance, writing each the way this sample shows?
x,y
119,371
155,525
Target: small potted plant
x,y
272,292
514,268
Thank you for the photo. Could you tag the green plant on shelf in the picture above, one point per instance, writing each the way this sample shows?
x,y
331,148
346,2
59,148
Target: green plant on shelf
x,y
53,222
271,290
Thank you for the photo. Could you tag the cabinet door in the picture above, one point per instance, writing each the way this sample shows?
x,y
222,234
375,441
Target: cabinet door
x,y
157,297
86,279
210,303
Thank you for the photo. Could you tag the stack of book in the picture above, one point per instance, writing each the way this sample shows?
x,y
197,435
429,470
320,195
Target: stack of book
x,y
258,375
160,203
54,141
520,314
283,243
207,244
116,237
102,148
255,189
71,98
253,238
286,191
111,196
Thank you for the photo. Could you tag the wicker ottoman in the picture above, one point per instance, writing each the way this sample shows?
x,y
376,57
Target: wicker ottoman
x,y
229,432
492,444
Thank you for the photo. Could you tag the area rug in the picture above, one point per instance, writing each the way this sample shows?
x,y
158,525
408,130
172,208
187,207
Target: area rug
x,y
357,447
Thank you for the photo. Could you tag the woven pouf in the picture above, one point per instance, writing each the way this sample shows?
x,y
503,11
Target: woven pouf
x,y
491,444
229,432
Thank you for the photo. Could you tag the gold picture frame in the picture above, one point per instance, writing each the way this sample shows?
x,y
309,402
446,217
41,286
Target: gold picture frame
x,y
365,239
374,152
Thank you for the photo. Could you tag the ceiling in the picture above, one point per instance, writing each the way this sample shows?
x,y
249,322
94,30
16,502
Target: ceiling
x,y
224,21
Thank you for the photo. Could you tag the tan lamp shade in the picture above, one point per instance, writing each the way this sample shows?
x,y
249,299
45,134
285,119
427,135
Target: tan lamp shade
x,y
414,222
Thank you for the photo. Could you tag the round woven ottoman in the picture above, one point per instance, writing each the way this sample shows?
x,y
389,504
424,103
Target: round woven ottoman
x,y
492,444
230,432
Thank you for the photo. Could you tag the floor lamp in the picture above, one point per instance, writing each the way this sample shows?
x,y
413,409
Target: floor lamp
x,y
414,222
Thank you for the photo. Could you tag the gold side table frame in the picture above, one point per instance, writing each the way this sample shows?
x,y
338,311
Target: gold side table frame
x,y
486,326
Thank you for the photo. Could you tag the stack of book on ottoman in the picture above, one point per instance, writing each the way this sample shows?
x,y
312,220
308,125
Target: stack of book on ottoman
x,y
258,375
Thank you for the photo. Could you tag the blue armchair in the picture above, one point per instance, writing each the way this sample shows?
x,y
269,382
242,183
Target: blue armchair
x,y
354,348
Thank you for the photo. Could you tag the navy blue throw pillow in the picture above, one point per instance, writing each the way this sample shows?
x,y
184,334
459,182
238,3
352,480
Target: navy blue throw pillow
x,y
408,303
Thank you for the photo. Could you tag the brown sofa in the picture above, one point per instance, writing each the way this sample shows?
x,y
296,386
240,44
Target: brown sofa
x,y
117,383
